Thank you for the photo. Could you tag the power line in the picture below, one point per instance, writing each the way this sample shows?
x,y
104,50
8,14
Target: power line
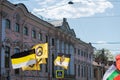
x,y
71,2
19,0
86,17
106,43
93,1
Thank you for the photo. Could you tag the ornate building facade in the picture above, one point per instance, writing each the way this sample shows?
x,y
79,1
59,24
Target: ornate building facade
x,y
20,30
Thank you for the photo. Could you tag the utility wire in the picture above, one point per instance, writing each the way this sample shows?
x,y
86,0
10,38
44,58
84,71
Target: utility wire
x,y
80,1
107,43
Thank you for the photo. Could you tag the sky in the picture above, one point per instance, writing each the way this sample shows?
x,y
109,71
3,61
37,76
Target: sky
x,y
94,21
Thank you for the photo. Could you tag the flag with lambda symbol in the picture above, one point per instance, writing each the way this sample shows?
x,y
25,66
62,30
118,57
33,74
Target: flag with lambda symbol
x,y
41,51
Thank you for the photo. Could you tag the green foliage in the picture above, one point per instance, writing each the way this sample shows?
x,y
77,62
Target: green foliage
x,y
103,56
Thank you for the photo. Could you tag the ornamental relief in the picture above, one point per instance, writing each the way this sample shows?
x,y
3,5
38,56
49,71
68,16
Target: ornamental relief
x,y
4,14
17,43
7,42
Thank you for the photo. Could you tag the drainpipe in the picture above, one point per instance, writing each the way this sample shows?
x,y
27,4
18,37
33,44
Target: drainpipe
x,y
0,36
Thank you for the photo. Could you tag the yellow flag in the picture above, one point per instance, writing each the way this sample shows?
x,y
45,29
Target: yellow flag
x,y
31,67
23,59
41,53
35,66
62,60
41,50
42,61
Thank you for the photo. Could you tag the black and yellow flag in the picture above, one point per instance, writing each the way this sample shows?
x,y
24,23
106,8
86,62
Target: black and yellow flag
x,y
31,67
41,53
62,60
35,66
42,61
41,50
23,59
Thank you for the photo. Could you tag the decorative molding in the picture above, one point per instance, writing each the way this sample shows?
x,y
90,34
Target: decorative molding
x,y
3,14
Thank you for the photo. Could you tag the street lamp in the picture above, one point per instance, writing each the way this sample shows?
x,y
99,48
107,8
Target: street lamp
x,y
103,62
70,2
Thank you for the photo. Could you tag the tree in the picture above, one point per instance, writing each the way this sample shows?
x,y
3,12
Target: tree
x,y
103,56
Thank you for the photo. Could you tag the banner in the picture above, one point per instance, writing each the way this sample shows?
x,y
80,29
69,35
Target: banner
x,y
62,60
41,50
23,59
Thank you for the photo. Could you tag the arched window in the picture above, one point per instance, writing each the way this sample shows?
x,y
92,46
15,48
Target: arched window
x,y
7,57
17,27
16,50
25,30
40,36
33,34
7,23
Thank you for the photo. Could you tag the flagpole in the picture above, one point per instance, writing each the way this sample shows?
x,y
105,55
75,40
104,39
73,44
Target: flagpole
x,y
49,68
49,78
37,65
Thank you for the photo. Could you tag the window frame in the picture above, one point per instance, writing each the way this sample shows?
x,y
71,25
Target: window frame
x,y
17,27
25,30
7,56
40,36
33,34
7,23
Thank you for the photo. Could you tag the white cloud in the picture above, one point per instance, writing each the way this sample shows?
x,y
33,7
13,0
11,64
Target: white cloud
x,y
57,9
80,8
101,42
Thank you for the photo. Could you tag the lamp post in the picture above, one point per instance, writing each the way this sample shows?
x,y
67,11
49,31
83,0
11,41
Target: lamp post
x,y
70,2
103,62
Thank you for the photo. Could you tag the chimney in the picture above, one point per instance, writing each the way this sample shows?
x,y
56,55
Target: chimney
x,y
64,20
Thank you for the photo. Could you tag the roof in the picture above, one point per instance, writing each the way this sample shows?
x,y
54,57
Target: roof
x,y
56,23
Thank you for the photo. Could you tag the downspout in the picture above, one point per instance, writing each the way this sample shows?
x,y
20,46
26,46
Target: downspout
x,y
2,38
0,35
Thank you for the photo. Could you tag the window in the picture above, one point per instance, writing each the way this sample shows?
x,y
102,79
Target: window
x,y
7,56
78,70
33,34
41,68
52,65
17,27
16,50
40,36
53,42
75,68
25,31
78,51
90,56
75,50
82,53
46,38
16,71
95,73
46,66
82,71
7,23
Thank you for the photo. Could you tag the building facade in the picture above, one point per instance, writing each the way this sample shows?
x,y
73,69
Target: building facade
x,y
83,61
20,30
